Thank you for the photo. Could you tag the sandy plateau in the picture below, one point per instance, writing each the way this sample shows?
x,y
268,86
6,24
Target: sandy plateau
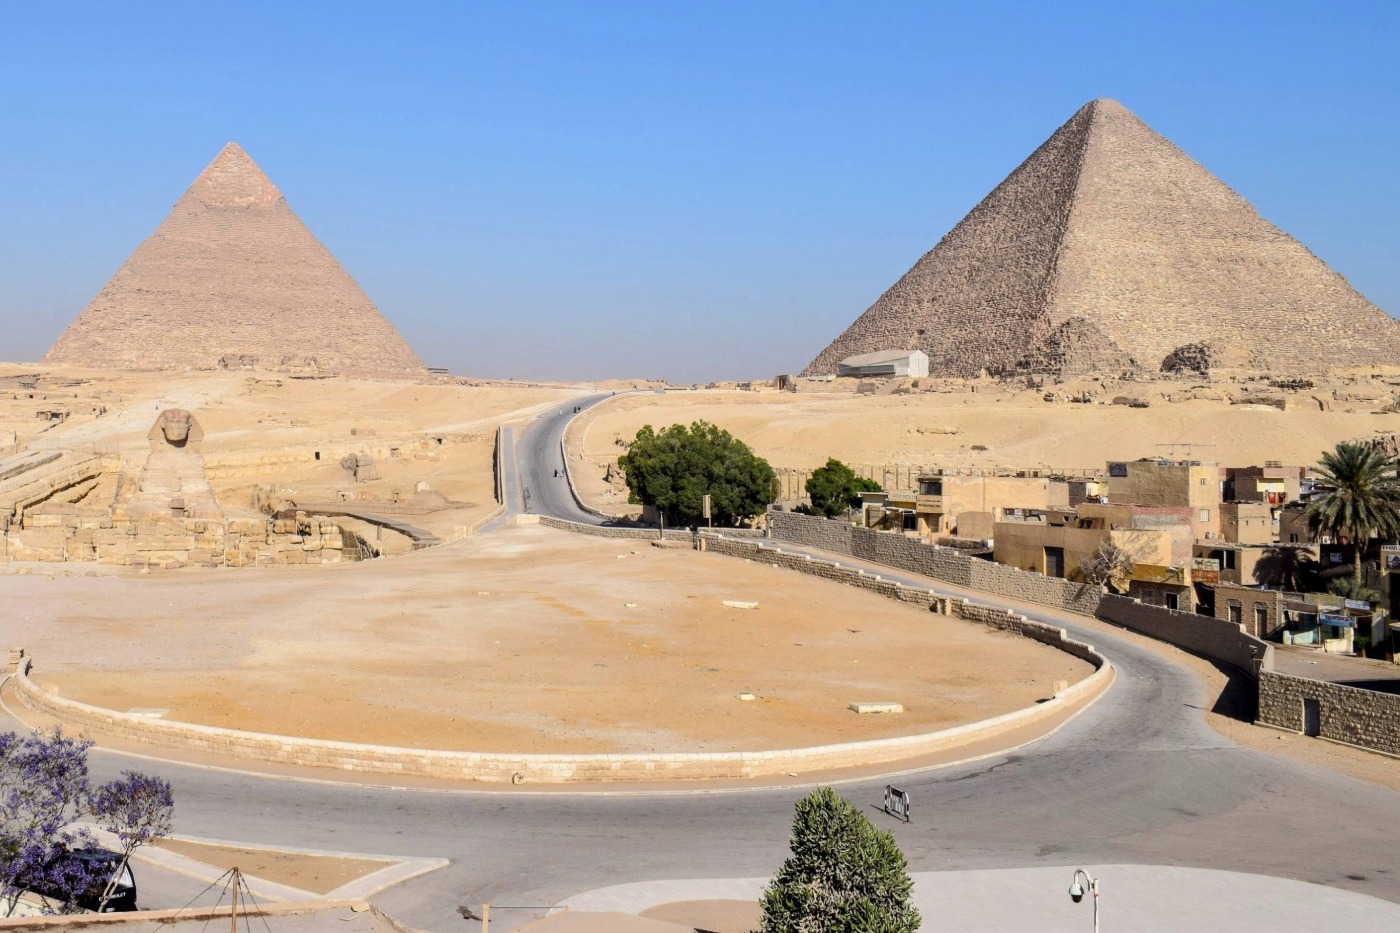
x,y
991,428
276,439
523,640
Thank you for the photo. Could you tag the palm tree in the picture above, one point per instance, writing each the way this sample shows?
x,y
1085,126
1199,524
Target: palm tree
x,y
1362,497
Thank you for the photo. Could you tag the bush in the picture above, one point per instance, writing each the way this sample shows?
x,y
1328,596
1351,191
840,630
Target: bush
x,y
844,875
675,468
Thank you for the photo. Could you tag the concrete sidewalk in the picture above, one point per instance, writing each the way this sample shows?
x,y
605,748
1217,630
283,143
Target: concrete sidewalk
x,y
1142,898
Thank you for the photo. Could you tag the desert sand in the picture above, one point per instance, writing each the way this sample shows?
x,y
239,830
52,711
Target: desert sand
x,y
885,436
523,640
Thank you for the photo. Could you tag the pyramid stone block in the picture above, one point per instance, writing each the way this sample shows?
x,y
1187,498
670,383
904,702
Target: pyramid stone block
x,y
1108,250
233,279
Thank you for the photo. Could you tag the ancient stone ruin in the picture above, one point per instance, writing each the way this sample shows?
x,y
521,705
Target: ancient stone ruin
x,y
172,483
154,512
1110,250
232,279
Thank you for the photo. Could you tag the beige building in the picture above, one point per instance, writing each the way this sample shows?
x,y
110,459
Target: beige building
x,y
1248,522
1192,484
1273,483
941,501
1058,543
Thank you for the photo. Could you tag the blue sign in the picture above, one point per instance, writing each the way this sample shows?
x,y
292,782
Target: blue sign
x,y
1332,618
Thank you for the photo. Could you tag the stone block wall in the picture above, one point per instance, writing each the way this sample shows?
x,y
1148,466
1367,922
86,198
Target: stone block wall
x,y
852,576
946,564
169,543
609,531
1001,619
1203,635
810,531
1249,600
1364,718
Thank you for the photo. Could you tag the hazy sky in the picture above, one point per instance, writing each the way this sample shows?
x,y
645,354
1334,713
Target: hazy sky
x,y
696,191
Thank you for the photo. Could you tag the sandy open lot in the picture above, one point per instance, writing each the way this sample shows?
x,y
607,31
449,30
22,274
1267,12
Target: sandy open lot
x,y
1017,429
521,640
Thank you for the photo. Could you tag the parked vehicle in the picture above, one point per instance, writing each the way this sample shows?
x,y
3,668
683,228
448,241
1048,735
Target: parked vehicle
x,y
99,865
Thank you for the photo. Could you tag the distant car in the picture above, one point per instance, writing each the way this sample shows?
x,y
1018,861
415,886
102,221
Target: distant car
x,y
99,865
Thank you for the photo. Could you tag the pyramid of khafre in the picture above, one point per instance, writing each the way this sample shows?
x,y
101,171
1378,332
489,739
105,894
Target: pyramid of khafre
x,y
1107,250
233,279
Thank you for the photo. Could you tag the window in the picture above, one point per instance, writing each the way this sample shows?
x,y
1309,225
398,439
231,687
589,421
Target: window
x,y
1292,539
1171,601
1261,616
1204,515
1236,612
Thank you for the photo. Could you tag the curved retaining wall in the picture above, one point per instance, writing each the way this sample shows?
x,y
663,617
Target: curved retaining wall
x,y
571,768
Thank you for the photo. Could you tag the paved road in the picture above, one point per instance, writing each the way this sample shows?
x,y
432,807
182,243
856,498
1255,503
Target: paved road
x,y
1138,778
539,457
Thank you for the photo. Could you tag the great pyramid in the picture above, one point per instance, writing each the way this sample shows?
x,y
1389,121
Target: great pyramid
x,y
233,279
1110,249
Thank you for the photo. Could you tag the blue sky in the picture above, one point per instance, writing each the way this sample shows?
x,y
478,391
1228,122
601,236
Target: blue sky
x,y
695,191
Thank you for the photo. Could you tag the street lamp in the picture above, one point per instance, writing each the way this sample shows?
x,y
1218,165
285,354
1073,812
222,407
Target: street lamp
x,y
1076,892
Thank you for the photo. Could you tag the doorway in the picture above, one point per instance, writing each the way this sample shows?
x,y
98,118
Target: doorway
x,y
1312,718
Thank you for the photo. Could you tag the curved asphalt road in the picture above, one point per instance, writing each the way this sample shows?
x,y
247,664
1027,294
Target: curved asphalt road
x,y
1138,778
538,455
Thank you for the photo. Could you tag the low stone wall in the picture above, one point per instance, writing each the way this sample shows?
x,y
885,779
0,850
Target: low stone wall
x,y
502,767
612,531
1210,638
1364,718
946,564
1202,635
1002,619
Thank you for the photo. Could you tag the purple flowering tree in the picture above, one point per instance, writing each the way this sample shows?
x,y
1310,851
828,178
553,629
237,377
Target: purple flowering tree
x,y
44,792
138,809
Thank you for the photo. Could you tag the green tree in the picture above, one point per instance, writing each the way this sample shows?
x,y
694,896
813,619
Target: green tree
x,y
836,487
675,468
844,875
1361,498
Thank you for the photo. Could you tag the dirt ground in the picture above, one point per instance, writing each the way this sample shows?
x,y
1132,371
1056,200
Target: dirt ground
x,y
528,640
712,916
1016,429
320,874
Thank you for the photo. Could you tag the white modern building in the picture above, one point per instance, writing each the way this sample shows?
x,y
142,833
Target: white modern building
x,y
885,363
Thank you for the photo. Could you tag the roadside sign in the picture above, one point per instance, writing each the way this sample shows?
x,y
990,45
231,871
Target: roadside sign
x,y
705,506
896,802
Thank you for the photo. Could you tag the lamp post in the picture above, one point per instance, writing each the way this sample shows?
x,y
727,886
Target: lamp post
x,y
1076,891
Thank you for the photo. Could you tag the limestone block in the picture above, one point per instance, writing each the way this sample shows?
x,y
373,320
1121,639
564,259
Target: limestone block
x,y
292,557
49,537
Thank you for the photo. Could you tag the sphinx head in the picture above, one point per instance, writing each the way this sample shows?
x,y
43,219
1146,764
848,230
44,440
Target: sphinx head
x,y
176,427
